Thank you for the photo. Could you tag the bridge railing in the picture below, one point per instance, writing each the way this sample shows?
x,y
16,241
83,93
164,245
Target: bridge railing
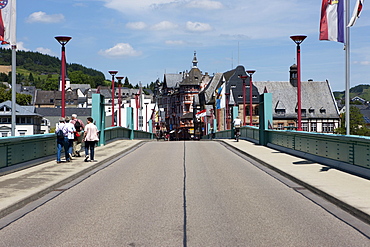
x,y
351,153
354,150
21,149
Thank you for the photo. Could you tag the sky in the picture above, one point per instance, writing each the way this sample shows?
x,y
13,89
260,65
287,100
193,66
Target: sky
x,y
144,39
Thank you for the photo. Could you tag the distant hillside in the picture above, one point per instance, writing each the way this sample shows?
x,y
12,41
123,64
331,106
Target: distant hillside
x,y
362,91
42,71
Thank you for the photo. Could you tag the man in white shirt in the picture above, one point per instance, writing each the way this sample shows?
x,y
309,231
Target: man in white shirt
x,y
70,129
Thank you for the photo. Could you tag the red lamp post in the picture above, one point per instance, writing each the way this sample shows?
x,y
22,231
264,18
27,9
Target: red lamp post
x,y
113,73
119,78
243,77
250,73
298,39
227,111
63,40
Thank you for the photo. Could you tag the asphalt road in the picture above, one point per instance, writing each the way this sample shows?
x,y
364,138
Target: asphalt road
x,y
180,194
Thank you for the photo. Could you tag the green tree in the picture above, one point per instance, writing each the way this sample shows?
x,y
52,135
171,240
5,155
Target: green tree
x,y
23,99
127,83
50,84
30,78
357,123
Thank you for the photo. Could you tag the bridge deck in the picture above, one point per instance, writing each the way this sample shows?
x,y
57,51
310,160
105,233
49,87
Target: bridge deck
x,y
25,186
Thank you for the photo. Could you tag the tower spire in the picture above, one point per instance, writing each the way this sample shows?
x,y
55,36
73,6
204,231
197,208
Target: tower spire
x,y
195,60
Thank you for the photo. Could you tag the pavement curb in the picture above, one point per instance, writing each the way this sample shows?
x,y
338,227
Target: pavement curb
x,y
346,207
23,202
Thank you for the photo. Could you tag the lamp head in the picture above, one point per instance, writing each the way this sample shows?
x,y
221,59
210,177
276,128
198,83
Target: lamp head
x,y
250,72
298,39
113,72
119,78
63,40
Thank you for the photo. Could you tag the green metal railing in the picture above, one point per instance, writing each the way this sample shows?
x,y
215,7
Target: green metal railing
x,y
353,150
21,149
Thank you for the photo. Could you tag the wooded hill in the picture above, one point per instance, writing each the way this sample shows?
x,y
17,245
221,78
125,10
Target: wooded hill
x,y
42,71
362,91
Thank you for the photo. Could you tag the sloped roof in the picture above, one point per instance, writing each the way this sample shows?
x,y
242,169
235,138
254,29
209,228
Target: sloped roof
x,y
82,87
315,95
212,86
172,80
20,110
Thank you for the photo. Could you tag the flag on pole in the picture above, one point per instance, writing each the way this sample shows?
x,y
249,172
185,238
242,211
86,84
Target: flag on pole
x,y
8,22
356,13
200,114
332,22
219,97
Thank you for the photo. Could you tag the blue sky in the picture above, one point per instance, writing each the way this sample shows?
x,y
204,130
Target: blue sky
x,y
143,39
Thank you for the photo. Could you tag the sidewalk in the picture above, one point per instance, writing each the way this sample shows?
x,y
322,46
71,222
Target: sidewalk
x,y
24,186
350,191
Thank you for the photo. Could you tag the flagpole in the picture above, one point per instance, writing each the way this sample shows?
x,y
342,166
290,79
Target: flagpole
x,y
12,40
14,89
347,48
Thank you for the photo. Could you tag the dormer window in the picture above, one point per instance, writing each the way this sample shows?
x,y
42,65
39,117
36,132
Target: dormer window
x,y
311,110
322,110
280,111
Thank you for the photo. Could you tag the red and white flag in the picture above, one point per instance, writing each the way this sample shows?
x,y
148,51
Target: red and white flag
x,y
200,114
8,22
356,13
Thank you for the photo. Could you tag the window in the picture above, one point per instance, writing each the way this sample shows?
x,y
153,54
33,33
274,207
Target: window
x,y
280,111
322,111
313,127
311,110
22,132
233,86
305,126
280,126
4,134
327,127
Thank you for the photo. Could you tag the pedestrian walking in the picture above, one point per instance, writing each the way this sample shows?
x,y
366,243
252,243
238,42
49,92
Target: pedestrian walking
x,y
90,139
77,142
62,140
70,135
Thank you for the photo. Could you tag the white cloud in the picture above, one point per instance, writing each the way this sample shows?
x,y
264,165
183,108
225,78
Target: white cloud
x,y
198,26
46,51
45,18
20,47
141,5
175,42
205,4
136,25
164,25
362,62
120,50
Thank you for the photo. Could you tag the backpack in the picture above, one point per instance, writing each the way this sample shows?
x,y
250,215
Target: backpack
x,y
78,126
60,134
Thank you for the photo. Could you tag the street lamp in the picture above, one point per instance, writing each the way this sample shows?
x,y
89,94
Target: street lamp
x,y
113,73
250,73
63,40
243,77
298,39
119,78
